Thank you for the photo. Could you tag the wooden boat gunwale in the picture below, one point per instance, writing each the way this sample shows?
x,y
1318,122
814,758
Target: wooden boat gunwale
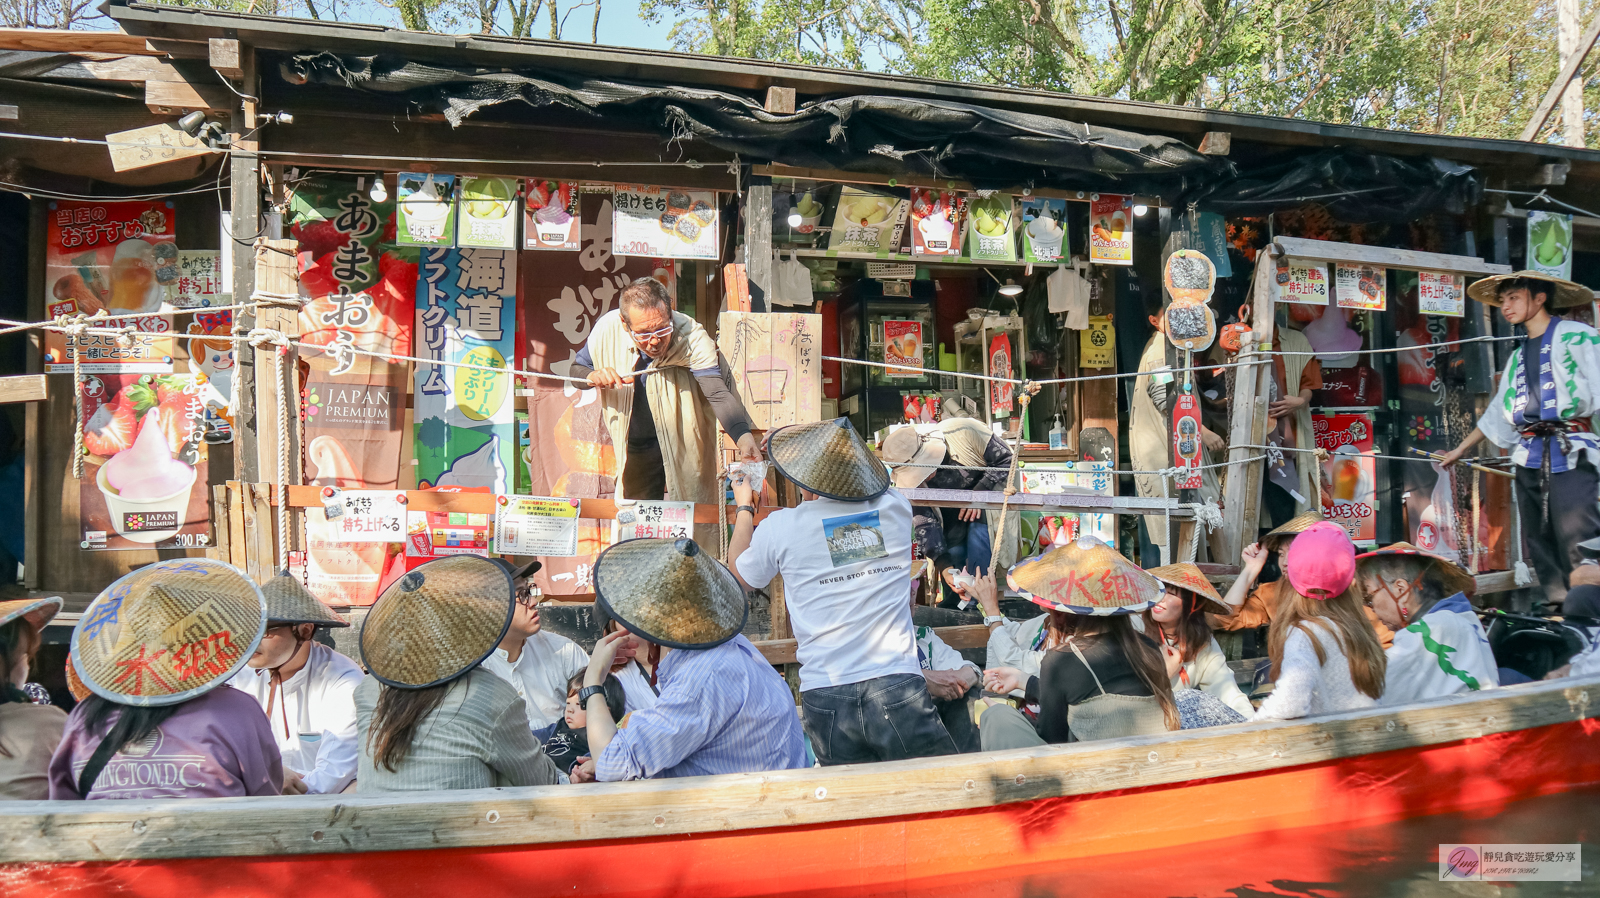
x,y
542,815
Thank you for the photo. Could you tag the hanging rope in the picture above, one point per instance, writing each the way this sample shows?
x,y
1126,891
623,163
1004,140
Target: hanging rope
x,y
1025,396
261,338
74,328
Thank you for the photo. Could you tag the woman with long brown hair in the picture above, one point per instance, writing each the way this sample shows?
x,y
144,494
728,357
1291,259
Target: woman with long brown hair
x,y
29,733
1100,678
1325,656
430,717
1178,623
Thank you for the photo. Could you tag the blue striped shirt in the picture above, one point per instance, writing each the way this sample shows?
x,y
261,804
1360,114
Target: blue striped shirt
x,y
722,710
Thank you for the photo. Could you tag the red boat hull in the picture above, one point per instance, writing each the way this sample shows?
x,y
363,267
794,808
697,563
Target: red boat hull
x,y
1049,846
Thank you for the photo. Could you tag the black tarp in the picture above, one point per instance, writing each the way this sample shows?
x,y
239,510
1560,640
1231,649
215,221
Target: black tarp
x,y
1353,184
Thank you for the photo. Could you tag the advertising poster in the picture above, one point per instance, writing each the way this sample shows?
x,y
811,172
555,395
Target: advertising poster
x,y
551,215
1044,229
427,209
144,471
1110,231
656,520
665,223
1186,441
992,228
1360,287
488,218
902,345
1308,285
866,223
1001,395
436,534
536,525
119,257
465,431
937,220
1097,343
1441,294
211,353
1052,530
1351,469
1550,243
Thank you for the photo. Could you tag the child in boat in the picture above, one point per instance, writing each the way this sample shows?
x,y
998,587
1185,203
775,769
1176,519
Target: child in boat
x,y
306,689
157,649
1439,647
1105,679
430,716
566,741
1178,622
29,733
1325,656
845,557
722,708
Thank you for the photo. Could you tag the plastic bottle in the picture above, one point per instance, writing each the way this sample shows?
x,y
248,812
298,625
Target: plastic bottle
x,y
1058,435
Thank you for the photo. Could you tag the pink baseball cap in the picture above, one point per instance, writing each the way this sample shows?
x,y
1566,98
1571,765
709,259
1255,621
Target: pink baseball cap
x,y
1321,562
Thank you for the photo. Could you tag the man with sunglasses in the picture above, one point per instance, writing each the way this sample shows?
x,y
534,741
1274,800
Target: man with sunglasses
x,y
662,422
535,662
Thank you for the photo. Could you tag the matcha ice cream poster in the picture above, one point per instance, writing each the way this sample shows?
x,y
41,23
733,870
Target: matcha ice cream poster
x,y
466,316
1550,244
144,467
991,224
488,217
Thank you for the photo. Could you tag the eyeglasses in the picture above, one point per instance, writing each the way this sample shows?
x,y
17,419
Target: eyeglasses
x,y
652,336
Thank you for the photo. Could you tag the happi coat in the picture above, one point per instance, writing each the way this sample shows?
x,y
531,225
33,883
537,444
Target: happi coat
x,y
1442,653
1570,376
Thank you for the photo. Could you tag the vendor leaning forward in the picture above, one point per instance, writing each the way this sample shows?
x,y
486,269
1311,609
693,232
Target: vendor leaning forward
x,y
1544,413
662,426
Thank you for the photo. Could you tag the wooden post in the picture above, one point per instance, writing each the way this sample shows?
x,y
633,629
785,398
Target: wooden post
x,y
275,274
758,241
1241,496
33,416
244,222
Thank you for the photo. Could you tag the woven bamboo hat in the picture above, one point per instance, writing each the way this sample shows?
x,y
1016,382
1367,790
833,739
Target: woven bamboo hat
x,y
1293,527
830,459
1567,293
670,592
1454,577
38,611
914,455
168,632
1086,576
289,602
1189,576
437,622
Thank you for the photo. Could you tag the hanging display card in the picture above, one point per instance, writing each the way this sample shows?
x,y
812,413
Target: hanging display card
x,y
427,209
363,516
902,345
1110,231
936,222
1044,229
536,525
656,520
117,257
552,220
866,223
1186,441
664,223
1360,287
488,213
1097,343
1308,285
1550,243
1352,469
992,228
1001,394
1441,294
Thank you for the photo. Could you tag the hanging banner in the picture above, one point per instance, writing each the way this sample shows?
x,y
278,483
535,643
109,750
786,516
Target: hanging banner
x,y
664,223
427,209
488,217
656,520
1308,285
1110,231
1097,343
1044,230
119,257
1351,468
937,220
536,525
144,472
1441,294
1550,243
866,223
902,345
466,315
1186,441
551,216
1001,395
1360,287
992,228
214,357
1208,233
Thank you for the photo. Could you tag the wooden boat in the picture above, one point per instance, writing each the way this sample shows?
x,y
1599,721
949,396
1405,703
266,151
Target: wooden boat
x,y
967,823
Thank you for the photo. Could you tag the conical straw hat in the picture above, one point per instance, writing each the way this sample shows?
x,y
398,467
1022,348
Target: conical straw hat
x,y
39,612
1455,577
1293,527
670,592
168,632
1086,576
437,622
1185,575
1567,293
289,602
830,459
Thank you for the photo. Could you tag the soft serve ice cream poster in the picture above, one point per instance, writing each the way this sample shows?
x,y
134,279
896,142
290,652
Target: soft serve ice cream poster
x,y
144,471
466,315
937,218
1044,229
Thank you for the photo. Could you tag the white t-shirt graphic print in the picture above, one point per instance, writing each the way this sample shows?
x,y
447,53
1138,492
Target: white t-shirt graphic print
x,y
846,570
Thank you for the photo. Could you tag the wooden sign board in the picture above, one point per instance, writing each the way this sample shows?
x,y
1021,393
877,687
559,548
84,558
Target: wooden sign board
x,y
154,145
776,359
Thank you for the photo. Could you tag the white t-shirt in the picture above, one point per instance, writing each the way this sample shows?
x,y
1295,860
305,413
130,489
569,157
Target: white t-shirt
x,y
540,674
845,566
1067,292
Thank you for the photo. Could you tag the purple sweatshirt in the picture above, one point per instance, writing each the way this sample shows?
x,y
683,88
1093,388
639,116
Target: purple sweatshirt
x,y
215,746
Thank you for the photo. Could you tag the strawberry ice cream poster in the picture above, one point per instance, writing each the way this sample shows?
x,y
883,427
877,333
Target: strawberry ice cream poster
x,y
144,472
466,316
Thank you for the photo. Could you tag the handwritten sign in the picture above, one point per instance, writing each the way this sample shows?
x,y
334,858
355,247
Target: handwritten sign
x,y
364,516
153,145
1441,294
1308,285
1361,287
656,520
536,525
